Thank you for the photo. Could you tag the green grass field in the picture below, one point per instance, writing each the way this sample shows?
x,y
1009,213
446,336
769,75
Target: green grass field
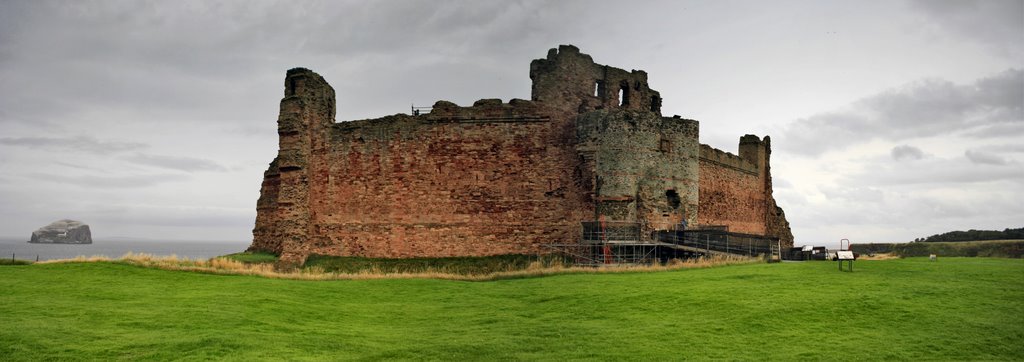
x,y
252,257
953,309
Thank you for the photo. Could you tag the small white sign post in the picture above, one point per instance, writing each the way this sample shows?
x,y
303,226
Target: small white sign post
x,y
847,256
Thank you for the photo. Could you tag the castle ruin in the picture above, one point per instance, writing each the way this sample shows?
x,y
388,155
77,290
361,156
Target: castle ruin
x,y
502,178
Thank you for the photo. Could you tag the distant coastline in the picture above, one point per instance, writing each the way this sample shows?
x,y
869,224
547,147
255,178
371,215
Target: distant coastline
x,y
60,242
18,248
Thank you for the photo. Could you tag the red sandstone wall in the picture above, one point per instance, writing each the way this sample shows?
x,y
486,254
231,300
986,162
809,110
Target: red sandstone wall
x,y
732,198
732,189
283,211
736,191
493,179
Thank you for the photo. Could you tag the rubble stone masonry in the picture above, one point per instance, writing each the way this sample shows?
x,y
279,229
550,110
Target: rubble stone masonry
x,y
500,178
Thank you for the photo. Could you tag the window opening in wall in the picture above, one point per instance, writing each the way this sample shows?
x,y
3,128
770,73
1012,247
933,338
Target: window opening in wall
x,y
655,104
623,94
598,88
673,199
665,146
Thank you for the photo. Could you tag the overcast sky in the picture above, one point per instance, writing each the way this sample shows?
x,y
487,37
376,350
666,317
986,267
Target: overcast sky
x,y
890,120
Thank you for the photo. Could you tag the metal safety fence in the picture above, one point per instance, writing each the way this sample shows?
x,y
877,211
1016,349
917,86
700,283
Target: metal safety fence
x,y
605,243
718,241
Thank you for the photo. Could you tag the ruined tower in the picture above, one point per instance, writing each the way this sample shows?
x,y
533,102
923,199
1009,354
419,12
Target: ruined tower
x,y
295,183
568,79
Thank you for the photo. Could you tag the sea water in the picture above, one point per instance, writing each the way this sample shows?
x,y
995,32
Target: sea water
x,y
22,249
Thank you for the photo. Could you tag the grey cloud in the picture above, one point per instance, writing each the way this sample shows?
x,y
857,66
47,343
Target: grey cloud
x,y
997,23
178,62
92,181
996,130
447,29
74,166
921,109
1002,92
932,171
906,152
952,176
188,164
77,144
218,38
985,158
1008,148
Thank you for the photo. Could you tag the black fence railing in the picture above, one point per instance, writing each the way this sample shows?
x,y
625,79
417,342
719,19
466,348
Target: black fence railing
x,y
617,242
415,111
719,241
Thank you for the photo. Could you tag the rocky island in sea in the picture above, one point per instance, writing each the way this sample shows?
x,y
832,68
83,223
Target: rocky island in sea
x,y
63,232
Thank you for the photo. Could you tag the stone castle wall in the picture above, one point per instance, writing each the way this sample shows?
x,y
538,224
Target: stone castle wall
x,y
736,191
732,192
643,167
494,178
500,178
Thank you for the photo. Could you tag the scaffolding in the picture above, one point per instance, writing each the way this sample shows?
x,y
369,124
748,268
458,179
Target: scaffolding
x,y
610,243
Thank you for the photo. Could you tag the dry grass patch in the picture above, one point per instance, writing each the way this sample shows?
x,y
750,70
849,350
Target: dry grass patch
x,y
226,266
879,256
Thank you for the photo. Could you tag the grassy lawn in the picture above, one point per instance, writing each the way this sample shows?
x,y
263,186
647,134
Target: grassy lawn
x,y
953,309
252,257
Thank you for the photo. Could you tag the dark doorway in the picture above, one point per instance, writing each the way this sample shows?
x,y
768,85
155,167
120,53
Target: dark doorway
x,y
673,199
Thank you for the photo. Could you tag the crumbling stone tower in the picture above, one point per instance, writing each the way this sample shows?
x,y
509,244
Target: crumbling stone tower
x,y
568,79
295,184
636,165
501,178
